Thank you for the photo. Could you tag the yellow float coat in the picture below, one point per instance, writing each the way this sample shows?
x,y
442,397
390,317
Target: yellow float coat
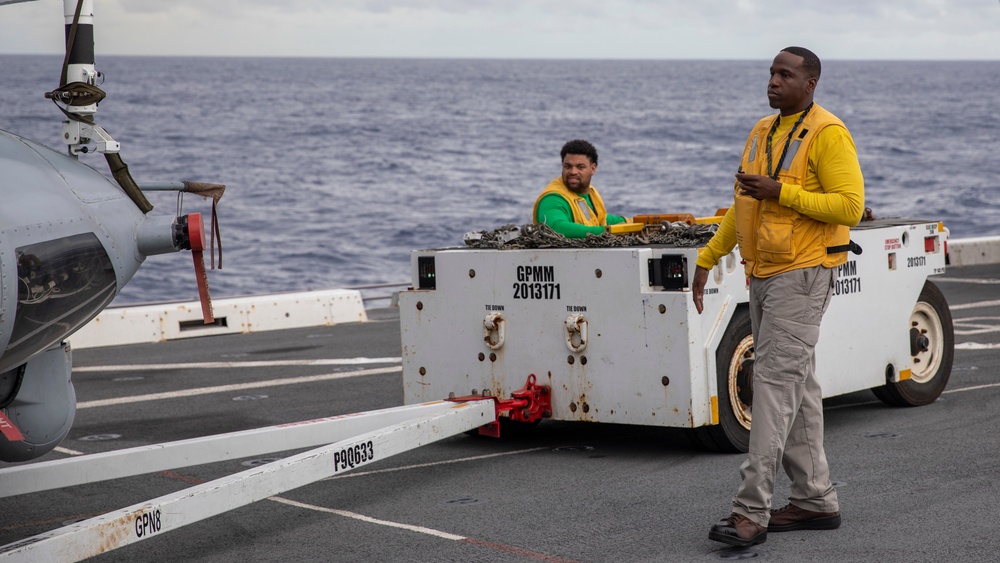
x,y
822,195
582,214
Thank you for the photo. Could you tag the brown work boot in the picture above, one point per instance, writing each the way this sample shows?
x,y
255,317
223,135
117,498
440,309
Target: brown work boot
x,y
738,530
790,517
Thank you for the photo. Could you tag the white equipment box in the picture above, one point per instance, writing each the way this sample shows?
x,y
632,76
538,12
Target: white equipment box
x,y
614,334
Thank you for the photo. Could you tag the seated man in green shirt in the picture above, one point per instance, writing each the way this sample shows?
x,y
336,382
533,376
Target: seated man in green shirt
x,y
569,205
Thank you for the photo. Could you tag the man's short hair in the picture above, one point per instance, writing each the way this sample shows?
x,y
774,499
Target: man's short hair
x,y
810,61
579,146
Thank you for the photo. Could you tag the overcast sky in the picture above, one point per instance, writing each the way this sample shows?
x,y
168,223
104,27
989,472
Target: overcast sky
x,y
591,29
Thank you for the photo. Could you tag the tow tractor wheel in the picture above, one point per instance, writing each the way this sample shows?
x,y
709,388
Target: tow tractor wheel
x,y
734,366
932,344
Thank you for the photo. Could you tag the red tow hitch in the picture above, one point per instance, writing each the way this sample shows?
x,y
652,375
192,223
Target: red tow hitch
x,y
530,404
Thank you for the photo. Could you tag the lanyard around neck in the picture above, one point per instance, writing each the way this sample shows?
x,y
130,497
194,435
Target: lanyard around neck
x,y
788,141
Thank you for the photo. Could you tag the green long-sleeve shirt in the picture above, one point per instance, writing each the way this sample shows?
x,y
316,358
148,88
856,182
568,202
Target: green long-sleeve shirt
x,y
554,211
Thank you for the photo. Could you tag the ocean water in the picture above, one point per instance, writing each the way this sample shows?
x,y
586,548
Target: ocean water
x,y
337,168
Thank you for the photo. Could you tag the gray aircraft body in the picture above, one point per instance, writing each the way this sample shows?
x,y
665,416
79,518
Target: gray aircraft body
x,y
70,239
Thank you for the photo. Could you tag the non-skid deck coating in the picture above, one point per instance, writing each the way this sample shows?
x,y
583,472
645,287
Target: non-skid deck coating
x,y
916,484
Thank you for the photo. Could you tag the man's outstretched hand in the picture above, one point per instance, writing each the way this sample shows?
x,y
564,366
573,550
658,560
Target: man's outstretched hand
x,y
698,287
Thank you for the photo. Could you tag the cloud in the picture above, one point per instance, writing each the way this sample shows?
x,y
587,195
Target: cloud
x,y
845,29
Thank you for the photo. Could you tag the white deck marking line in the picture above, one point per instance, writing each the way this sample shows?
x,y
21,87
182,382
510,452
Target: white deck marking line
x,y
976,305
434,463
235,387
527,553
369,519
68,451
973,388
949,391
966,320
965,326
252,364
978,281
977,346
981,330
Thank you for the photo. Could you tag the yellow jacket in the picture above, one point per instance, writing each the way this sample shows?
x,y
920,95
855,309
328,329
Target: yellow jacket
x,y
582,213
822,195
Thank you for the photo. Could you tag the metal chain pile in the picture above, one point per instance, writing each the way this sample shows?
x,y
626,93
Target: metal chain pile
x,y
678,234
511,236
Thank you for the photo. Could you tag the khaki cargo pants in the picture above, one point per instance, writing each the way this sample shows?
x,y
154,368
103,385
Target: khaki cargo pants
x,y
787,411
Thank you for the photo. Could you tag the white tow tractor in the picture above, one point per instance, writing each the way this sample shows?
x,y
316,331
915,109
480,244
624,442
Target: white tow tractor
x,y
612,334
517,336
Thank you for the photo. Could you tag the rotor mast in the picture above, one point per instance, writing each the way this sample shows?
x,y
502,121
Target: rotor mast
x,y
79,69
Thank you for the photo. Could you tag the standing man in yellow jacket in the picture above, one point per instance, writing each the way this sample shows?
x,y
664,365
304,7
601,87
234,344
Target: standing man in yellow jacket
x,y
570,205
798,190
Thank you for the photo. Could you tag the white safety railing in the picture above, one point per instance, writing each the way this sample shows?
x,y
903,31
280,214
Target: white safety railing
x,y
973,251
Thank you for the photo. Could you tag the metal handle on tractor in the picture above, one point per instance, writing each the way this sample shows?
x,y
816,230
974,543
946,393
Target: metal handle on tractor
x,y
576,325
494,323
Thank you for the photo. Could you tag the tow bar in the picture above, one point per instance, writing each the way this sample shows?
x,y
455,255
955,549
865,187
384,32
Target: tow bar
x,y
345,442
527,405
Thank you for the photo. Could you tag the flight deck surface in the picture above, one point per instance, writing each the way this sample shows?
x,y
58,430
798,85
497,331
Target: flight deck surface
x,y
916,484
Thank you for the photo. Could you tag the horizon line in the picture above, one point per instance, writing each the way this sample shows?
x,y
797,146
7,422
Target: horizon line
x,y
498,58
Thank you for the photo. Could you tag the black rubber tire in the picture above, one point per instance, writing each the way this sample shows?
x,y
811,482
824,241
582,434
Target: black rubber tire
x,y
734,372
930,319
